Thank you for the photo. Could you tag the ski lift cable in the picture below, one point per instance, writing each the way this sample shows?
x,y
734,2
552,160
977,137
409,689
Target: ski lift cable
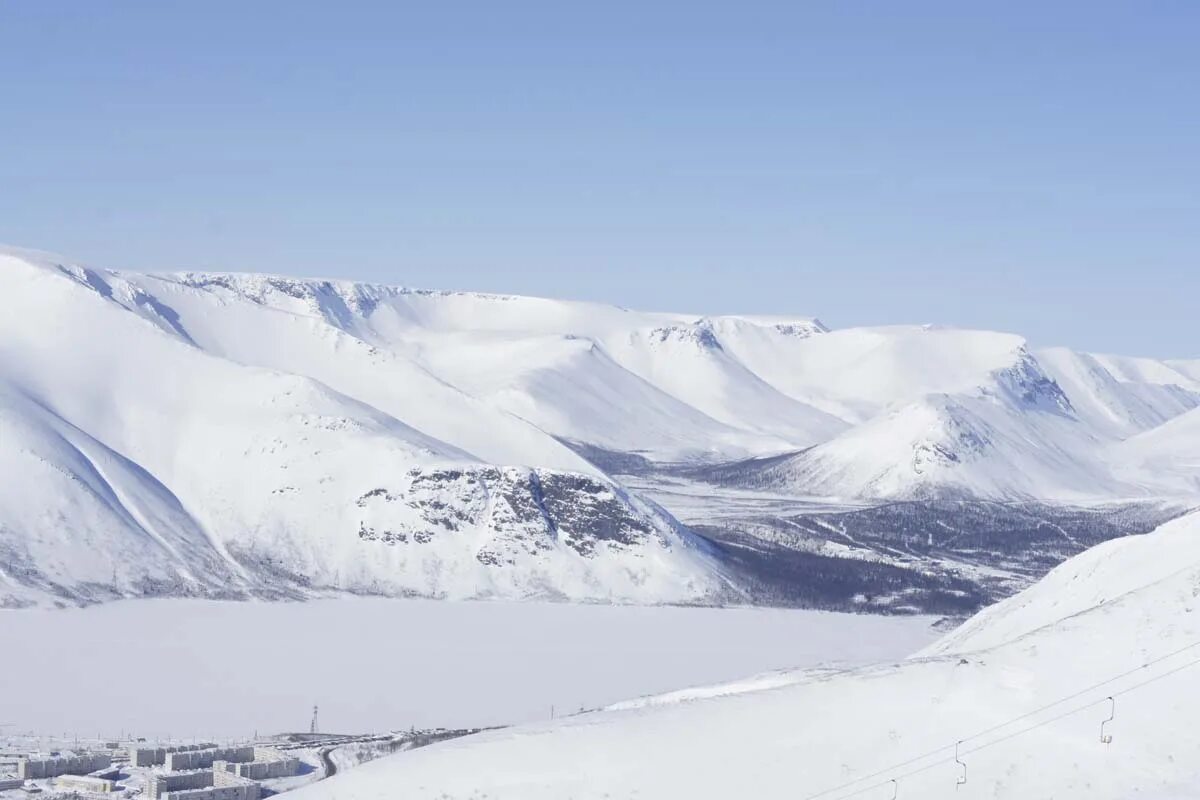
x,y
1106,738
947,750
1035,712
954,758
1090,704
1018,733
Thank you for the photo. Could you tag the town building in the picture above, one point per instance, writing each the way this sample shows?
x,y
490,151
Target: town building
x,y
225,786
154,756
203,759
85,783
268,763
31,768
159,784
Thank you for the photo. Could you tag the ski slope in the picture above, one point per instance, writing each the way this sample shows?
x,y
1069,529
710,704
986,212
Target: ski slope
x,y
1021,690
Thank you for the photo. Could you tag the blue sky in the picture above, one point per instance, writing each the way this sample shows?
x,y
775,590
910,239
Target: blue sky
x,y
1022,166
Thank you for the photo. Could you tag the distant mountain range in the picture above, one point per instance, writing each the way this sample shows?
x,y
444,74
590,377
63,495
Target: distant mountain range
x,y
248,435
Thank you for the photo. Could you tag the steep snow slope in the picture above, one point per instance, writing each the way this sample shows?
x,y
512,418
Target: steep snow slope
x,y
237,480
310,329
1168,455
492,374
295,436
571,387
690,362
697,400
1121,396
859,372
1023,688
950,446
508,379
73,512
1017,437
1114,572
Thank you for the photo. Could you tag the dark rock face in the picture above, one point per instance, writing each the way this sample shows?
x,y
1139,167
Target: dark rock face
x,y
1031,388
523,512
588,511
801,330
700,334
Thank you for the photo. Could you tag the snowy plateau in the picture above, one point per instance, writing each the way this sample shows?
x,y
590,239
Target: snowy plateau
x,y
237,436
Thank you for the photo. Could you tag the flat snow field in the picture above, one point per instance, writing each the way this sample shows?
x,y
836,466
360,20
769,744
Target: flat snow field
x,y
183,668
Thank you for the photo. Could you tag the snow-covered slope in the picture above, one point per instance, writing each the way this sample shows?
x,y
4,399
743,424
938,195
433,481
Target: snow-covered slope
x,y
1020,691
859,372
1121,396
1166,455
137,461
1027,443
491,374
277,435
949,446
714,388
538,360
1016,431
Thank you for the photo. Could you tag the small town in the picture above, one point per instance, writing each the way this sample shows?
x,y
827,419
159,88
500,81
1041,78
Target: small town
x,y
70,769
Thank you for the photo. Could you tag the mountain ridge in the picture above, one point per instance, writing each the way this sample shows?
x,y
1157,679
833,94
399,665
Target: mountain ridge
x,y
267,406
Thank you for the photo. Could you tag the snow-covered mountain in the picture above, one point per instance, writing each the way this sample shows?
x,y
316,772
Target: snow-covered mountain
x,y
234,435
1010,706
1015,432
141,456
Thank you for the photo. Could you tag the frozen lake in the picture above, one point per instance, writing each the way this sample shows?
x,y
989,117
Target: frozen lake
x,y
184,668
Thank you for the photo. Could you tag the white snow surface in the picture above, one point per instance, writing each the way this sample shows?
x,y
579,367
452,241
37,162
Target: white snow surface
x,y
140,462
1023,686
235,434
177,668
1169,453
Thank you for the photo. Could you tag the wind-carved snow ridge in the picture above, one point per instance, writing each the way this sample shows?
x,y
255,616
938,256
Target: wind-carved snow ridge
x,y
307,437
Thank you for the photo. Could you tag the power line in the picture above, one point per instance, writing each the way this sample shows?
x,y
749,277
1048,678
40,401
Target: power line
x,y
945,749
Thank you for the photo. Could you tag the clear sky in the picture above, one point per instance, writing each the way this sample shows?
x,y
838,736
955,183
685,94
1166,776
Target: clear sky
x,y
1024,166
